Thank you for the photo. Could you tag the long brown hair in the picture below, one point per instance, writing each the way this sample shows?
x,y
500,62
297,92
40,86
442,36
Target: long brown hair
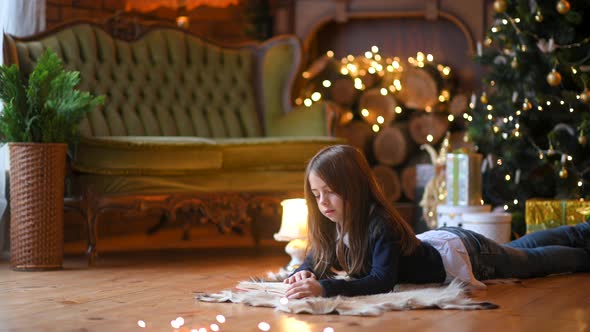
x,y
345,171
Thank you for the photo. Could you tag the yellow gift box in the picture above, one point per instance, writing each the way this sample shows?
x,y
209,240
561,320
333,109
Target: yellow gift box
x,y
550,213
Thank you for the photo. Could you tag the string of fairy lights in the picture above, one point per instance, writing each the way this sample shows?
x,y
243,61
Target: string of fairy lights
x,y
388,70
508,127
180,324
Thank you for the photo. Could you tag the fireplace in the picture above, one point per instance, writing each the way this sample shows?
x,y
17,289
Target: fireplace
x,y
449,29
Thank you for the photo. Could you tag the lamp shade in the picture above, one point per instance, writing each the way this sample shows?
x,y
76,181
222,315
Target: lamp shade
x,y
294,221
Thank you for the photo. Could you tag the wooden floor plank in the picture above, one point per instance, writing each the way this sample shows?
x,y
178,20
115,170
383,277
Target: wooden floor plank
x,y
157,287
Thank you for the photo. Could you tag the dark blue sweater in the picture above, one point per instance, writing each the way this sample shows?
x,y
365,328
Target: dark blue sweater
x,y
388,266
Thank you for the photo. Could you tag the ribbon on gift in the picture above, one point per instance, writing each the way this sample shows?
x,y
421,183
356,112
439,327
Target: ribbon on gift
x,y
455,197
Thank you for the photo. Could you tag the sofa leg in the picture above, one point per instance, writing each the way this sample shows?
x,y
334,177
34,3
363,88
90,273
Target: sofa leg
x,y
92,237
163,220
89,206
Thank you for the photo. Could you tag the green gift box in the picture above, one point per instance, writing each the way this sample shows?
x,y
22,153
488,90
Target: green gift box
x,y
543,214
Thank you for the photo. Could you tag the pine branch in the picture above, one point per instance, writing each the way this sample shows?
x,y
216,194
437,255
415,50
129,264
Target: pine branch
x,y
47,107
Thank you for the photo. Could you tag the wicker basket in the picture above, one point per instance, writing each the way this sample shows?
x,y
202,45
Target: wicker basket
x,y
37,173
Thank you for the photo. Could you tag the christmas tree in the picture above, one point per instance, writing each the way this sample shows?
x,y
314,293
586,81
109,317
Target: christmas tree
x,y
532,121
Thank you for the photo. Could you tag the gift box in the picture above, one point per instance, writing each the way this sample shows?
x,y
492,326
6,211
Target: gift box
x,y
542,214
452,215
494,225
463,171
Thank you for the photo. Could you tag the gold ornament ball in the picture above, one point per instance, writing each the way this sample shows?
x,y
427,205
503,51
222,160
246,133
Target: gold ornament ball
x,y
539,17
488,41
514,63
582,140
500,6
563,173
484,98
554,78
563,6
585,96
526,105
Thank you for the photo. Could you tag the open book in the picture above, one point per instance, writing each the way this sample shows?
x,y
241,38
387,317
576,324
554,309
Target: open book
x,y
272,287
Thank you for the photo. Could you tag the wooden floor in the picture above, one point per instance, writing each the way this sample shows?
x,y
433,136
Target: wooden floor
x,y
158,287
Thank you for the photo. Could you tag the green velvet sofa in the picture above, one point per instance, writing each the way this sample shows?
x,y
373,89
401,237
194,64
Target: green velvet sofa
x,y
186,123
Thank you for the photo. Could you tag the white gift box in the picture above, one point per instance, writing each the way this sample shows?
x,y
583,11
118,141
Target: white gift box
x,y
452,215
495,226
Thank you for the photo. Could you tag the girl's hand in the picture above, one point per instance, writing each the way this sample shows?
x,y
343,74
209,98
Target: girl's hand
x,y
299,276
309,287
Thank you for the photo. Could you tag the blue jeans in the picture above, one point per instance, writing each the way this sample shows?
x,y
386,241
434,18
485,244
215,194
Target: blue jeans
x,y
558,250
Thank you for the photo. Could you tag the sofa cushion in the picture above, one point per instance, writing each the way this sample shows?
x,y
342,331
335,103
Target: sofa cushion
x,y
271,153
146,155
213,181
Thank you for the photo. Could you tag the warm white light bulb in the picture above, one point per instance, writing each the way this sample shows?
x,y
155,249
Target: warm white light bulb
x,y
264,326
420,57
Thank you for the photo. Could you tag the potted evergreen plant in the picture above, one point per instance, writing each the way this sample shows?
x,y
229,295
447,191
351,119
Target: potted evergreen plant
x,y
41,115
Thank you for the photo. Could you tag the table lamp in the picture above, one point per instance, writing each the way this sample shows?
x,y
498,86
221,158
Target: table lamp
x,y
294,230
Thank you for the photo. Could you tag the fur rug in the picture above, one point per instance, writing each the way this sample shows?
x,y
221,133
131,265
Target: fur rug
x,y
271,294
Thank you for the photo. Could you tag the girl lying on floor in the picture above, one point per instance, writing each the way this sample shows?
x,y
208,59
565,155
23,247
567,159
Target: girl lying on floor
x,y
353,228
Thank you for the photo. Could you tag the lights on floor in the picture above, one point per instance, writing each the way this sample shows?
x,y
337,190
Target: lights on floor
x,y
179,322
264,326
